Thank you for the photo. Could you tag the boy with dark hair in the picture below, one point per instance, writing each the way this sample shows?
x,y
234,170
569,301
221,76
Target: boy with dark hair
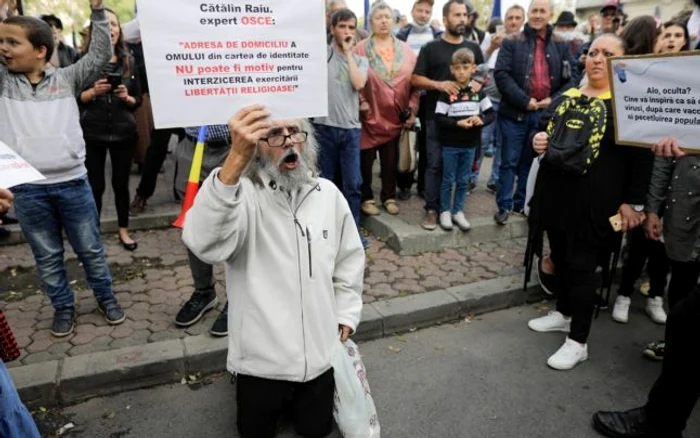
x,y
459,118
339,133
64,55
39,120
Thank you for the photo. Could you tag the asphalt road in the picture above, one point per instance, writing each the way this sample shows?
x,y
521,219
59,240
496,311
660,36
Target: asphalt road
x,y
486,378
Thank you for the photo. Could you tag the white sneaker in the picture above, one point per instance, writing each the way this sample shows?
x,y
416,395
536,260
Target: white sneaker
x,y
569,355
446,221
655,310
621,311
461,221
553,322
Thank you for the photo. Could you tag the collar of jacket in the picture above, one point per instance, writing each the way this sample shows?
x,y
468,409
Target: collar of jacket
x,y
530,32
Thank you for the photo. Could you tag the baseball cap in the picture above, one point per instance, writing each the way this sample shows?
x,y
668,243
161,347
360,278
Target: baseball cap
x,y
610,4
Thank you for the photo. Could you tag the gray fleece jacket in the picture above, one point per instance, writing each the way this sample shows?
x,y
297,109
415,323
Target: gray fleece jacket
x,y
42,123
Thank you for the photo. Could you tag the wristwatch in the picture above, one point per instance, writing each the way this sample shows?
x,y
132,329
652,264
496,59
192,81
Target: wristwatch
x,y
638,208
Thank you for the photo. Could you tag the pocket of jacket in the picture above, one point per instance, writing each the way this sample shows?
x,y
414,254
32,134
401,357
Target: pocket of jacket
x,y
48,154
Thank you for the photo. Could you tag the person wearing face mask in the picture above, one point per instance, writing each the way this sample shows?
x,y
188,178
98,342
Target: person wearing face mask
x,y
416,35
565,27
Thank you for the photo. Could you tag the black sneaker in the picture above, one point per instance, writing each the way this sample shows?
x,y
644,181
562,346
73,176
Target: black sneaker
x,y
220,327
404,194
501,217
655,350
548,282
492,187
472,186
63,322
110,308
195,308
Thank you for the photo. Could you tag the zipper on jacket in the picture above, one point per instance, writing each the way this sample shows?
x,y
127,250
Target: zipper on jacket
x,y
306,234
308,241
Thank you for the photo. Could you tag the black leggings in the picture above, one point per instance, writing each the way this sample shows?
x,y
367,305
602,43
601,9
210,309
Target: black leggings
x,y
121,154
575,264
641,249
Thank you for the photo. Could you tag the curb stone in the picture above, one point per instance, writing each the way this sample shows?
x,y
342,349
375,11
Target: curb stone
x,y
136,223
76,379
408,239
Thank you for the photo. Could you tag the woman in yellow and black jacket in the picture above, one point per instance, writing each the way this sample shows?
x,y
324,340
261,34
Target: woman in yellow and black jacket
x,y
574,211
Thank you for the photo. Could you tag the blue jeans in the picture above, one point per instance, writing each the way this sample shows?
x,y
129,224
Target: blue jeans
x,y
15,419
456,169
338,146
491,140
433,167
516,159
44,211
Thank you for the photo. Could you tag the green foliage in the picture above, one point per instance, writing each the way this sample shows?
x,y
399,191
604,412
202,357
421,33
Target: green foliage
x,y
75,13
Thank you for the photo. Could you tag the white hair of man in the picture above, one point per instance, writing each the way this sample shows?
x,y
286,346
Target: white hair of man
x,y
306,170
550,3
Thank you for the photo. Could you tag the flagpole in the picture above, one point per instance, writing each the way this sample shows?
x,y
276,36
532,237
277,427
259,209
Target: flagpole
x,y
367,15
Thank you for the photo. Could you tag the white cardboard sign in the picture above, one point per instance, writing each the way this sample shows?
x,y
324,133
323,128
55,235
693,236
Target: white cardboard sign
x,y
14,170
657,97
207,60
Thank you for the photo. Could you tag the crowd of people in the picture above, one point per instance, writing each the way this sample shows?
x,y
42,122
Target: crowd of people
x,y
466,92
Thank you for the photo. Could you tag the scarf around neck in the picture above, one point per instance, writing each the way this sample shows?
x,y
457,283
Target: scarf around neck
x,y
377,64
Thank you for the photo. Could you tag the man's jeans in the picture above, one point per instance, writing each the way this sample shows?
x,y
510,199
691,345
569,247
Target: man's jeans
x,y
15,420
516,159
433,169
44,211
342,146
491,139
456,170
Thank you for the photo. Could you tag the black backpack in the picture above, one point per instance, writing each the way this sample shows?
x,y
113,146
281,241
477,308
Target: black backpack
x,y
575,131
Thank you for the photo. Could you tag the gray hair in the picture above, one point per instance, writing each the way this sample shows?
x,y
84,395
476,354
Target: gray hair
x,y
379,6
550,3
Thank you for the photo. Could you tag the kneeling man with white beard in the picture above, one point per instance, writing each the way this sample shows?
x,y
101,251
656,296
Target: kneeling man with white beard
x,y
294,270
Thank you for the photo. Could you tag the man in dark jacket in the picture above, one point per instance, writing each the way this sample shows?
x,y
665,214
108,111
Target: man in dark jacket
x,y
533,66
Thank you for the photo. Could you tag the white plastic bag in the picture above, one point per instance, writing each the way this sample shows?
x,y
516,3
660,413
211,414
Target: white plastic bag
x,y
354,409
531,180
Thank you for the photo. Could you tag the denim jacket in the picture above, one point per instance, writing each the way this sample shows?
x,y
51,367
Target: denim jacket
x,y
514,70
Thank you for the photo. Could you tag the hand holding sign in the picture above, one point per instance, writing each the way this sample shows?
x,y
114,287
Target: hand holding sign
x,y
247,127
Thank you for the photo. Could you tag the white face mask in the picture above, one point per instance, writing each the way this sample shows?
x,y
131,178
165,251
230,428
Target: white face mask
x,y
420,28
569,35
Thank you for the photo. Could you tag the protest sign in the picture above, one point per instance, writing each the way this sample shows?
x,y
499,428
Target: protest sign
x,y
656,97
14,170
205,61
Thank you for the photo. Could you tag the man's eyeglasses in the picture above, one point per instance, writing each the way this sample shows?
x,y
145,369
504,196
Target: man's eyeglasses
x,y
277,141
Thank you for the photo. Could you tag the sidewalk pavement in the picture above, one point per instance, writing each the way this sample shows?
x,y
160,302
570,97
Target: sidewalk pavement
x,y
152,283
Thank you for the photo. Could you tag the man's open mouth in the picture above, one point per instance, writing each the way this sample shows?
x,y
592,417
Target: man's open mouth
x,y
291,161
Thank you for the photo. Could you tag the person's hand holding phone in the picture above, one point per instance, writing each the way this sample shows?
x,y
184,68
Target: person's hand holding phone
x,y
122,94
101,87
